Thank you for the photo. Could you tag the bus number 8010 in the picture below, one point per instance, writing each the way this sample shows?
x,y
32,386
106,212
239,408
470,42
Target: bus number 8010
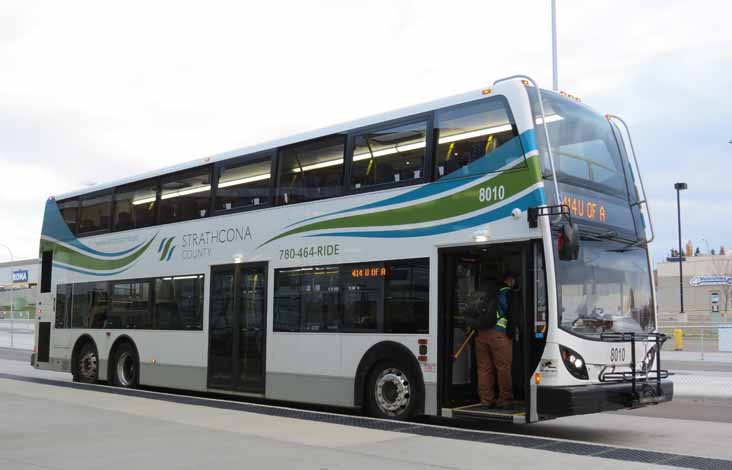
x,y
492,193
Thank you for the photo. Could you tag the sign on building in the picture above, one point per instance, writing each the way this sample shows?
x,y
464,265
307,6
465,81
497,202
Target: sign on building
x,y
20,275
710,281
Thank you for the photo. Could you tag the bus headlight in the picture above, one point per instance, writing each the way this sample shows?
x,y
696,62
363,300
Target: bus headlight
x,y
574,363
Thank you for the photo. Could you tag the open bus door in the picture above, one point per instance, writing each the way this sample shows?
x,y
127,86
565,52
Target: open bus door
x,y
462,271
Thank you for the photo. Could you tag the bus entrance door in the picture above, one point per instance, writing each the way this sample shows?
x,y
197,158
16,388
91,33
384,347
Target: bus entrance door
x,y
463,271
236,327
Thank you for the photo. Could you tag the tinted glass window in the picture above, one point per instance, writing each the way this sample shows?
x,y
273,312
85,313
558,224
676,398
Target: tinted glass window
x,y
391,297
179,303
70,213
185,197
608,289
46,270
468,136
63,306
95,213
320,299
406,297
287,299
245,184
134,206
361,300
130,305
311,171
89,305
390,155
584,147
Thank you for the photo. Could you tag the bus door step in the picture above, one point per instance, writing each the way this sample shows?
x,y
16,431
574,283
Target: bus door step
x,y
516,414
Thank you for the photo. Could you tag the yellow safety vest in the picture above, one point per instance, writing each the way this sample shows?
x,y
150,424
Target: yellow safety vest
x,y
501,321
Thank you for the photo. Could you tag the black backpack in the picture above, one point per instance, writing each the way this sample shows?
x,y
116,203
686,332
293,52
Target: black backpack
x,y
480,310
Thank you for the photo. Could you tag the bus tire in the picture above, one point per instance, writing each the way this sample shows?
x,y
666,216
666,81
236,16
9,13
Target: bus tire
x,y
392,391
125,366
87,364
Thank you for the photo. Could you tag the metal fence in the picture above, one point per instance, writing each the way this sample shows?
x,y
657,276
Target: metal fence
x,y
710,339
17,332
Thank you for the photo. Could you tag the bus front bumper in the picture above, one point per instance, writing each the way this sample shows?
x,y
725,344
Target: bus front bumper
x,y
554,402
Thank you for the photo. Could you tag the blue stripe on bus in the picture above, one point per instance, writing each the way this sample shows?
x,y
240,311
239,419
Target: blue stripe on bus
x,y
55,227
534,198
89,273
498,159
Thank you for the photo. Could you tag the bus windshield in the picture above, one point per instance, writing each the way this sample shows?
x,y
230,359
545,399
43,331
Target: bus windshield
x,y
607,289
583,144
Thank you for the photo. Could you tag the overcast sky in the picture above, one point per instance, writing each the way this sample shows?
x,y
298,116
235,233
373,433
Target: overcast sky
x,y
93,91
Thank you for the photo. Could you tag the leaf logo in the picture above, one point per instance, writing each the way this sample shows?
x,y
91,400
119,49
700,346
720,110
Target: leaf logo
x,y
166,248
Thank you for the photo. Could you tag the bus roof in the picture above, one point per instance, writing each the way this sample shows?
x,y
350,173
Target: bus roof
x,y
301,137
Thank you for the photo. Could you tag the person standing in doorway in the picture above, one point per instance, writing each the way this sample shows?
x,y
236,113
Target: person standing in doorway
x,y
494,349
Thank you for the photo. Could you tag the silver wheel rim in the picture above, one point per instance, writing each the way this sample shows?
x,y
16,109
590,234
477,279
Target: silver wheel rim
x,y
125,369
393,392
88,366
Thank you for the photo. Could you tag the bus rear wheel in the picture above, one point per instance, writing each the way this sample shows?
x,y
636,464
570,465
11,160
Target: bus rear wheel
x,y
391,392
87,366
125,366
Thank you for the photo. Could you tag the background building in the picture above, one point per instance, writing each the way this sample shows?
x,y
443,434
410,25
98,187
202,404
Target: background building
x,y
19,282
707,287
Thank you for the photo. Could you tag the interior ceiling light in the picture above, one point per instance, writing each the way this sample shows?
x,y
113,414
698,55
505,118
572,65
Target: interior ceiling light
x,y
356,158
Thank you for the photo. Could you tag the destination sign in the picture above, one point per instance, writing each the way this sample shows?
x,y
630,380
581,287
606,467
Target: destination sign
x,y
595,208
372,271
586,208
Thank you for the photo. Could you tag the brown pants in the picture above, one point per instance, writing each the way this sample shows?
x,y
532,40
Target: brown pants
x,y
495,351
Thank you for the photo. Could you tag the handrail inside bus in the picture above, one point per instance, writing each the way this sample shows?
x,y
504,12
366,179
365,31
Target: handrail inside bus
x,y
638,172
543,124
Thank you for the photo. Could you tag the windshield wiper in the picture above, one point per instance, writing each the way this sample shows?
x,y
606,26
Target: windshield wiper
x,y
608,235
629,245
613,235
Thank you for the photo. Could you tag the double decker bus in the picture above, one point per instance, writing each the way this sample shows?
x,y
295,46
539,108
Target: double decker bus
x,y
334,267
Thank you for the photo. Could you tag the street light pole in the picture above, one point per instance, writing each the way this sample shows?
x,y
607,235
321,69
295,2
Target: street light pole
x,y
680,187
12,294
555,73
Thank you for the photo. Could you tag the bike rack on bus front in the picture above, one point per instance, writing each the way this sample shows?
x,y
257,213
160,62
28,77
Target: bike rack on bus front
x,y
633,376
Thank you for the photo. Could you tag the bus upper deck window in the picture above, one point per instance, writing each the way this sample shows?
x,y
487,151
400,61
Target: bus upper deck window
x,y
185,196
467,135
389,155
70,212
313,170
134,206
95,213
246,184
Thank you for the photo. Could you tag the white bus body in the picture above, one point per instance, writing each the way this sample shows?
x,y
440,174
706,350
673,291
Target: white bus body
x,y
441,221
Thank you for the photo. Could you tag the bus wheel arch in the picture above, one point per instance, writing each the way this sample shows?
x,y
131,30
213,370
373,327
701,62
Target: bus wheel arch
x,y
123,368
85,360
389,355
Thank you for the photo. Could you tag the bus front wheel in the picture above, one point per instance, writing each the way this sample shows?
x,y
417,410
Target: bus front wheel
x,y
125,366
391,391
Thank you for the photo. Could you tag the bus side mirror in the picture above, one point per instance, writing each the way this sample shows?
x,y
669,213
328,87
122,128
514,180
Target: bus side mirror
x,y
568,242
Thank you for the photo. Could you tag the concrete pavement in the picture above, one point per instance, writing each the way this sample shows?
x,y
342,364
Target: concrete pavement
x,y
48,427
57,424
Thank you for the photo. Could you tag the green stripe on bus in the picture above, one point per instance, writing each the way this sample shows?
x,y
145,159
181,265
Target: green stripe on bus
x,y
70,257
514,180
167,247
